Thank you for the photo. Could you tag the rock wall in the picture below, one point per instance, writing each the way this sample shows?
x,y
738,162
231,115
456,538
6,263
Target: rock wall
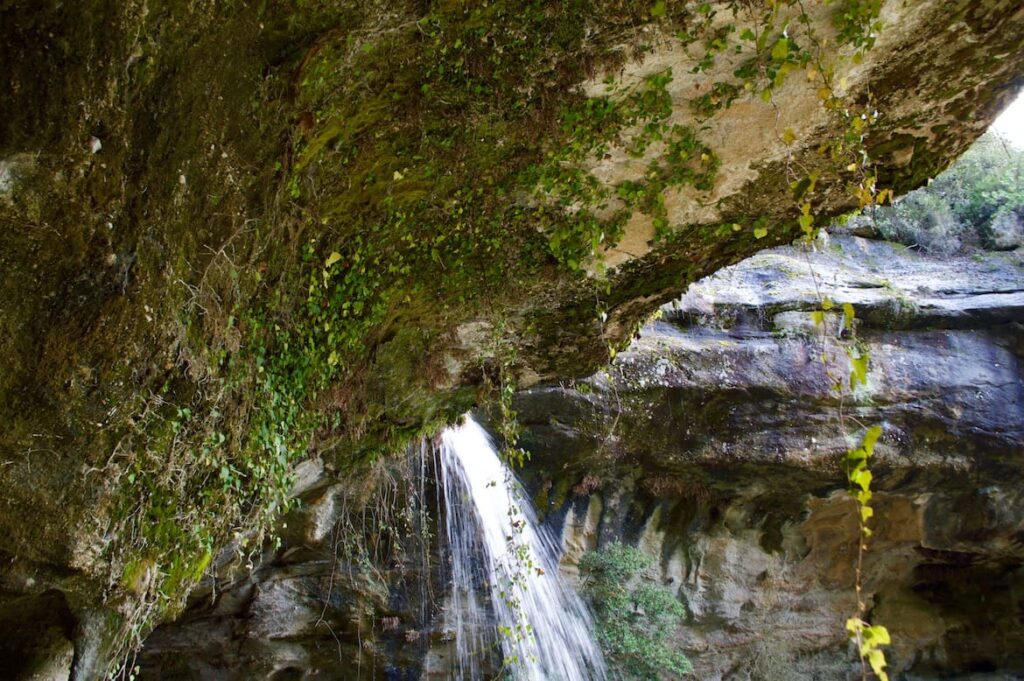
x,y
714,444
238,236
355,590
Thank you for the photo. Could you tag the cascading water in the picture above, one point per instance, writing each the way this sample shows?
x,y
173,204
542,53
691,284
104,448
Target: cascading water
x,y
545,630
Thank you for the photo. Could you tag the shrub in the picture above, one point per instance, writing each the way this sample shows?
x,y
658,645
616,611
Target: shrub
x,y
977,203
635,619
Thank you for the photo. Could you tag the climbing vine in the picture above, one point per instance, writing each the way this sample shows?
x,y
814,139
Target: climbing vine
x,y
778,53
464,151
868,638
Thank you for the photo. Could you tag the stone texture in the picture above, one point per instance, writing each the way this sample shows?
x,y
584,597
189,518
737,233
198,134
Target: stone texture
x,y
117,257
342,597
36,638
713,444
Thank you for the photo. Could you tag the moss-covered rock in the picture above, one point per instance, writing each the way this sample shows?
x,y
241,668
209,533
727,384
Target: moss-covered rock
x,y
236,234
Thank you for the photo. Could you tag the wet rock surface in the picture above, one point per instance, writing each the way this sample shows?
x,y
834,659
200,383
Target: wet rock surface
x,y
714,444
173,174
329,602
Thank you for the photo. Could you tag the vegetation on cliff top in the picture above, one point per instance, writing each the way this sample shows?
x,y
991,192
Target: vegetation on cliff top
x,y
977,203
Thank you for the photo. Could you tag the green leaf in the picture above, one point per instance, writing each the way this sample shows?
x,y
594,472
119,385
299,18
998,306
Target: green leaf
x,y
818,317
848,315
855,455
879,635
858,369
861,478
760,233
876,658
781,49
800,188
659,9
854,625
747,34
870,437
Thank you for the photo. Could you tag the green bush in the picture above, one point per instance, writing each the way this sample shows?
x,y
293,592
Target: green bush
x,y
635,619
977,203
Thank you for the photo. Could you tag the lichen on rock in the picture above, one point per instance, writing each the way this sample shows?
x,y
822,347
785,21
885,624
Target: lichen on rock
x,y
293,207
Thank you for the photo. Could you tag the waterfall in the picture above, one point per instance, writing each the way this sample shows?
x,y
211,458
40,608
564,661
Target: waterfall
x,y
545,630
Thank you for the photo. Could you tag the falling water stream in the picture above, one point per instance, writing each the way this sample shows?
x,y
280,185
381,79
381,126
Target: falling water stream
x,y
545,630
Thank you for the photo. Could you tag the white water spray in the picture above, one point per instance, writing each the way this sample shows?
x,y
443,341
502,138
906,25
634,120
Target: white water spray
x,y
545,630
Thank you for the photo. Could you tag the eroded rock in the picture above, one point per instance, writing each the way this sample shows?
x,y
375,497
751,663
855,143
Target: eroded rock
x,y
714,445
159,311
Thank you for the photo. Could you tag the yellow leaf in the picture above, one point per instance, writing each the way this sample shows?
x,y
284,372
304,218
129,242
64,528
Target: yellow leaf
x,y
848,315
880,635
870,437
876,658
781,49
861,478
398,176
788,137
332,258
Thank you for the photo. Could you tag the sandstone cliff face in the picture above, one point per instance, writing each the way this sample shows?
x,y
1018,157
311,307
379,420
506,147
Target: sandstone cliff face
x,y
713,445
237,238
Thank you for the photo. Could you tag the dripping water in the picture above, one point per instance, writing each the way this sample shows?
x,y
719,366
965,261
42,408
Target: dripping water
x,y
498,549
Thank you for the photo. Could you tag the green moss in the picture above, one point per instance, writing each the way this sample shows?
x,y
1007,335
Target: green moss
x,y
560,493
295,240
